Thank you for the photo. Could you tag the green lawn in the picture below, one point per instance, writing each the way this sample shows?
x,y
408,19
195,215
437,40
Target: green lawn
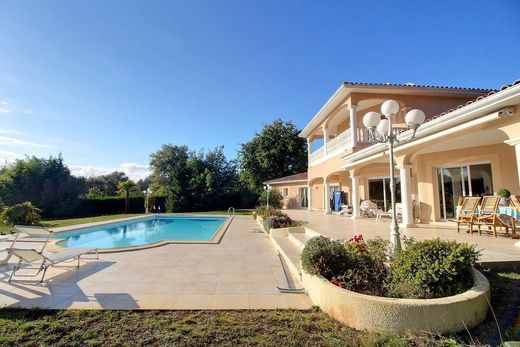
x,y
191,328
20,327
5,229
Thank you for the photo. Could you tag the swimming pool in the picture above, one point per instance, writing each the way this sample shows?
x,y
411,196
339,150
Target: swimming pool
x,y
140,232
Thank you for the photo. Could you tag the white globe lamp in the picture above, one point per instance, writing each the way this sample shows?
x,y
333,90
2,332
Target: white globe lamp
x,y
414,118
371,120
390,108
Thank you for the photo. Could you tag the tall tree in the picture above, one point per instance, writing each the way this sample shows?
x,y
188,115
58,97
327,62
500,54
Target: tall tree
x,y
194,181
47,183
170,175
276,151
107,184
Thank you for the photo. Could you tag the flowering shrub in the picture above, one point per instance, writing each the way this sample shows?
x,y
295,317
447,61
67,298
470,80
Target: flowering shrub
x,y
355,265
283,221
426,269
368,273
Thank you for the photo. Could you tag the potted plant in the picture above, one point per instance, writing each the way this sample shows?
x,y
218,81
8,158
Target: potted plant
x,y
504,196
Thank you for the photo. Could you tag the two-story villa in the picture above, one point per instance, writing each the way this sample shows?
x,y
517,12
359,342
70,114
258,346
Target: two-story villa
x,y
469,145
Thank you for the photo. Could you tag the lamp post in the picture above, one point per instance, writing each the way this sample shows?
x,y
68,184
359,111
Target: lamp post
x,y
146,193
266,187
382,131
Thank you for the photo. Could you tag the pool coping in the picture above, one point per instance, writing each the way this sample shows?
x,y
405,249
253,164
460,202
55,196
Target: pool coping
x,y
215,239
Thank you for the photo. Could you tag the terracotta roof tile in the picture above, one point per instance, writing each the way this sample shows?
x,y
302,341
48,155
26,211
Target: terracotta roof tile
x,y
413,85
491,92
296,177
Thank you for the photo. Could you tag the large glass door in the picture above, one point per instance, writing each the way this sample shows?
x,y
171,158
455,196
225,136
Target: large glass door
x,y
304,198
459,181
380,193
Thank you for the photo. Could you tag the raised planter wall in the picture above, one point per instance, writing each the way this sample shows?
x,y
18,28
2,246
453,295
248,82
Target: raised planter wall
x,y
373,313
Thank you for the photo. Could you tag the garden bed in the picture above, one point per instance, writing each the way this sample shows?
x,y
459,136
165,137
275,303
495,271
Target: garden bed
x,y
375,313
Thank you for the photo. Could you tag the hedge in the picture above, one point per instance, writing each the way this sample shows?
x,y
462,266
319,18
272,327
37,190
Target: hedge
x,y
114,205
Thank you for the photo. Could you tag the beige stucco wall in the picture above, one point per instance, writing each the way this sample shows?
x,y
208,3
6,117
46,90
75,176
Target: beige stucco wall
x,y
292,200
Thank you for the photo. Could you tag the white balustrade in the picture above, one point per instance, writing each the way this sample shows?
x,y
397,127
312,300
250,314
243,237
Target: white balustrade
x,y
335,146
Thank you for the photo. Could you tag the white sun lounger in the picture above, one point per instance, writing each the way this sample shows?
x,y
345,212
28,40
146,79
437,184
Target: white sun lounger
x,y
41,261
27,237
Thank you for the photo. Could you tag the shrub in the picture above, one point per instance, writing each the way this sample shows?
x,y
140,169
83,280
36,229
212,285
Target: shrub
x,y
325,257
24,213
284,221
366,272
275,198
267,212
432,269
505,193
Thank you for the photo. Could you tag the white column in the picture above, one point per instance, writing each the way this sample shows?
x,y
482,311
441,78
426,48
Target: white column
x,y
325,139
516,144
326,196
309,151
353,125
405,173
355,197
309,197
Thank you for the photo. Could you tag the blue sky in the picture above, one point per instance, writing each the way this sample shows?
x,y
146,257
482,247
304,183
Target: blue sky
x,y
106,83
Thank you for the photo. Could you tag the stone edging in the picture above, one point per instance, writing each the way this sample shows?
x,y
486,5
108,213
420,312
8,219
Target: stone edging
x,y
374,313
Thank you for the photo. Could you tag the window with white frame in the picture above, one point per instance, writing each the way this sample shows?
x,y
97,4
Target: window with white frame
x,y
286,192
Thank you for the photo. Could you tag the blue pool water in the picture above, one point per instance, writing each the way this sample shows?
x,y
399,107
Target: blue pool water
x,y
142,231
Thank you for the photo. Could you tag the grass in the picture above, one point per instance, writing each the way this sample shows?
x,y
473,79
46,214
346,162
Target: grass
x,y
237,212
19,327
505,295
6,229
187,328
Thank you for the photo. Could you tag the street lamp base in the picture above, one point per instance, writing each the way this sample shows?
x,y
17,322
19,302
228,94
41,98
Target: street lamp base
x,y
395,240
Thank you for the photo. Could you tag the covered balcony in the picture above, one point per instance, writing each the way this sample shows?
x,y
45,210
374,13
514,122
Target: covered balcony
x,y
336,145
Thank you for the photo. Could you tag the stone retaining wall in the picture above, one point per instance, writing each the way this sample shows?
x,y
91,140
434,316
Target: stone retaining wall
x,y
373,313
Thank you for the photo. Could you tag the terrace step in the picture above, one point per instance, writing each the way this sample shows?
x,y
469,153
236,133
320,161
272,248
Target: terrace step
x,y
299,239
290,253
311,233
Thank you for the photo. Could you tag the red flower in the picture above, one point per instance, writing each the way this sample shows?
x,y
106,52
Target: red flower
x,y
358,238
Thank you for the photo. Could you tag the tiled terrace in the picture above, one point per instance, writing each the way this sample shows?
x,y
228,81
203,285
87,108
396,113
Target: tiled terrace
x,y
497,249
241,272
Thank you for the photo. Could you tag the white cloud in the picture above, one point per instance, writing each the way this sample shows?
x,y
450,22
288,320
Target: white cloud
x,y
10,131
3,102
133,170
14,142
4,110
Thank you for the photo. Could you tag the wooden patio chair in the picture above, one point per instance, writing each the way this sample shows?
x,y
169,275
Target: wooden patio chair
x,y
514,201
467,213
488,215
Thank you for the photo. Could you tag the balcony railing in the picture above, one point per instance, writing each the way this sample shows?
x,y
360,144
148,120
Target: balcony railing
x,y
340,143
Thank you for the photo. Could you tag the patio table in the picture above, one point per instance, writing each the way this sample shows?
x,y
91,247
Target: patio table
x,y
511,214
507,215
